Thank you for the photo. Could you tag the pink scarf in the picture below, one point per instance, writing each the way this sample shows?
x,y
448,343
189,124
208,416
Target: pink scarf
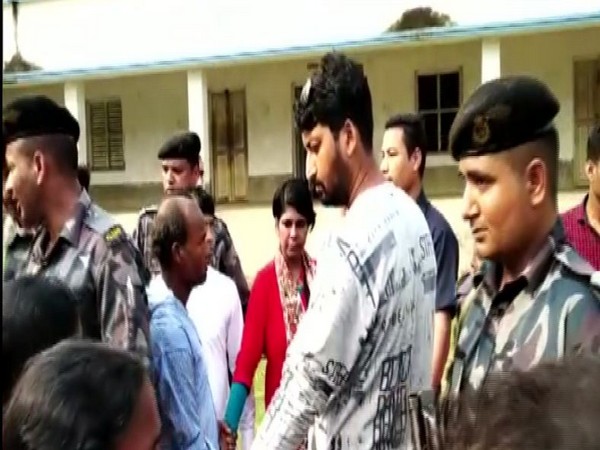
x,y
290,291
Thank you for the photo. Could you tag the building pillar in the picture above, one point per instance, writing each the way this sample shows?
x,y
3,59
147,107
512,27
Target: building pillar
x,y
198,117
75,103
491,64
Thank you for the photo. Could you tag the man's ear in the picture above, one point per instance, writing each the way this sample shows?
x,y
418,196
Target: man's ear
x,y
40,165
416,158
590,170
349,136
536,178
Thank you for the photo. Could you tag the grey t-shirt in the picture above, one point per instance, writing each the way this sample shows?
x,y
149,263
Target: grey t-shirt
x,y
365,341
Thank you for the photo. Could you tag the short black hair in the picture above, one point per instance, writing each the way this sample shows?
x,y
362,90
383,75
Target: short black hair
x,y
551,147
294,193
37,312
336,92
83,174
169,228
62,148
593,145
414,135
554,406
205,201
77,395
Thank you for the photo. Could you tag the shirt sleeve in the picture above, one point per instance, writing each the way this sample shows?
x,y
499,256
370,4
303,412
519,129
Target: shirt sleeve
x,y
253,337
446,256
122,301
183,413
234,340
322,353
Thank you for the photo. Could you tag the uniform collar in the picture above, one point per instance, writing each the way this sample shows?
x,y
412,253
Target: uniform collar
x,y
423,201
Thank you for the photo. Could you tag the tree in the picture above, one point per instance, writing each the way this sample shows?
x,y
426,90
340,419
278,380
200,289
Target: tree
x,y
17,63
422,17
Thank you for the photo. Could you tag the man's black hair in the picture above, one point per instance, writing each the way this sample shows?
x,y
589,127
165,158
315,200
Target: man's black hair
x,y
294,193
414,135
336,92
205,201
61,148
593,145
76,395
37,312
554,406
83,174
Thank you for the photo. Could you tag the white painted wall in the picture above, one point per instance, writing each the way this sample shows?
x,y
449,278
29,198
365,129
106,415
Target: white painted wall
x,y
154,107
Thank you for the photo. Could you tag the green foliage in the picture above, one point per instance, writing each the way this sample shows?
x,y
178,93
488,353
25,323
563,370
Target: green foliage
x,y
422,17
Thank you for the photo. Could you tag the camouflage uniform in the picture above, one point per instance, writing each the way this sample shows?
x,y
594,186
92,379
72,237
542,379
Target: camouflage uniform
x,y
225,258
16,244
97,260
551,311
142,238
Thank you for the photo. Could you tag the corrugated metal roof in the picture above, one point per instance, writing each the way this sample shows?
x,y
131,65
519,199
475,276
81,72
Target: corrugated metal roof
x,y
412,37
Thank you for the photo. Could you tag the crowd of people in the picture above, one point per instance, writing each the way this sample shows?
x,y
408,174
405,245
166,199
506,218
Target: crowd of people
x,y
152,340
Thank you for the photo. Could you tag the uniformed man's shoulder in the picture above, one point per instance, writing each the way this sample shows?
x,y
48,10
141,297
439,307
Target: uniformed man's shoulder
x,y
148,211
105,227
575,274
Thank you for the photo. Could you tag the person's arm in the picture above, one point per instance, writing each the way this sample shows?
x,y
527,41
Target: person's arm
x,y
322,353
184,413
122,303
446,255
251,350
234,340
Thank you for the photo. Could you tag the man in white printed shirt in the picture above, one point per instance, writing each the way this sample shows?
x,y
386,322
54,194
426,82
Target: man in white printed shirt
x,y
216,311
365,341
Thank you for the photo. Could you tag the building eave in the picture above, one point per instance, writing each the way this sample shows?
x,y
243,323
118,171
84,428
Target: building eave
x,y
429,36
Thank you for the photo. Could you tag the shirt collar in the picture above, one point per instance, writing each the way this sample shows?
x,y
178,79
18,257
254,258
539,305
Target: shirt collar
x,y
422,201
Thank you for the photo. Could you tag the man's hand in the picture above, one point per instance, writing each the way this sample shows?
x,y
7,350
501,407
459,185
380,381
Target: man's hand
x,y
227,438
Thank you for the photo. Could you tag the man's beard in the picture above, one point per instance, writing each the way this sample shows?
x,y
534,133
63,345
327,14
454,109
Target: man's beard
x,y
337,194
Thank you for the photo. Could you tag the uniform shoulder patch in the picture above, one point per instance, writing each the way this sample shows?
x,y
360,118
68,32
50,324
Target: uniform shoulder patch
x,y
114,234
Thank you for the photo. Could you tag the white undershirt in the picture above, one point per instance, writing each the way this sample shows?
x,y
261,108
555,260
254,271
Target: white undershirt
x,y
216,311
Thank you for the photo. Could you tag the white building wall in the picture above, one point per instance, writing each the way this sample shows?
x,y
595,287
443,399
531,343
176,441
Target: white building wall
x,y
550,58
155,106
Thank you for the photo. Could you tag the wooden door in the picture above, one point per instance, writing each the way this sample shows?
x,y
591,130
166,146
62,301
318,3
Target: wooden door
x,y
230,148
298,152
587,111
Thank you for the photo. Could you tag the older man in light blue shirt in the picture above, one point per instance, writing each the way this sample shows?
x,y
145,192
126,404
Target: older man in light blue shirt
x,y
183,390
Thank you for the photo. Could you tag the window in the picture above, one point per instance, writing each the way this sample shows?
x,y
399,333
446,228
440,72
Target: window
x,y
105,131
438,100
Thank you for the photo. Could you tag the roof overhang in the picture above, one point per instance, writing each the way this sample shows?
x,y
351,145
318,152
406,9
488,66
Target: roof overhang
x,y
429,36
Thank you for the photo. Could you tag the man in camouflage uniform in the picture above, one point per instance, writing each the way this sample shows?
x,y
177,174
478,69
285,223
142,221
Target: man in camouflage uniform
x,y
74,240
534,298
182,169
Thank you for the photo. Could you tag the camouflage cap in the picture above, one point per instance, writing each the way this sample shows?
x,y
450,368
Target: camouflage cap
x,y
181,146
502,114
36,115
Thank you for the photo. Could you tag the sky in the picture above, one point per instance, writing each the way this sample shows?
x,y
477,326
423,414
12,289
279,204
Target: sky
x,y
126,31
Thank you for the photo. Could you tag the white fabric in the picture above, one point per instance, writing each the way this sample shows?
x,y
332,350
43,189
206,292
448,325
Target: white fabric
x,y
365,341
216,311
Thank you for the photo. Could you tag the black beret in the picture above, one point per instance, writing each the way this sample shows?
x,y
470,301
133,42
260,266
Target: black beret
x,y
36,115
181,146
502,114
